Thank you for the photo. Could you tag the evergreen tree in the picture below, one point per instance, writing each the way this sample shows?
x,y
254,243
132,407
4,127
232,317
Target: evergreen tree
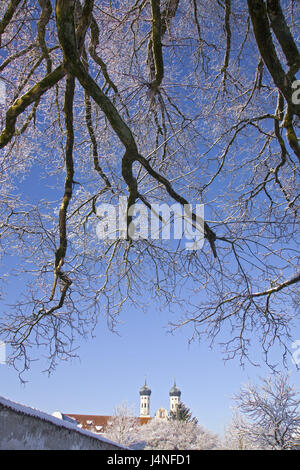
x,y
182,413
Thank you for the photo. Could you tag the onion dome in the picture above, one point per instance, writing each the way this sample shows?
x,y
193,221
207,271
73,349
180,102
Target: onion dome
x,y
145,390
175,392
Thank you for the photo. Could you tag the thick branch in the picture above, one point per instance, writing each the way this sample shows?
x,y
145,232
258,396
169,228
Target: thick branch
x,y
63,240
89,124
67,38
263,36
160,22
283,33
35,93
41,25
283,285
26,100
93,51
228,37
156,43
12,7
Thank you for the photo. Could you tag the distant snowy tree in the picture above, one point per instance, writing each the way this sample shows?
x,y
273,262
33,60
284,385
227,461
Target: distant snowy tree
x,y
175,435
182,413
123,425
236,434
273,410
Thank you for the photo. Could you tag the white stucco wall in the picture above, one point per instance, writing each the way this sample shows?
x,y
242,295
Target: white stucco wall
x,y
23,428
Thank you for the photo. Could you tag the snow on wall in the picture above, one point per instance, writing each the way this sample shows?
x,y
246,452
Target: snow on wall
x,y
24,428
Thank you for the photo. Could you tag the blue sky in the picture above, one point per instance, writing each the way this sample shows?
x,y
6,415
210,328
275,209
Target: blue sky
x,y
112,368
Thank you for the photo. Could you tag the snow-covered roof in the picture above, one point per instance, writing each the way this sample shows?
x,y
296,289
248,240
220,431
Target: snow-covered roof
x,y
90,422
26,410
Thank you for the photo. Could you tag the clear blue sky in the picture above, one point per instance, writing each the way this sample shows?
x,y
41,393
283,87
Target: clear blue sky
x,y
112,368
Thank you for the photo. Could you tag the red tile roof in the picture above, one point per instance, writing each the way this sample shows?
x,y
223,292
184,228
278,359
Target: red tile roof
x,y
97,423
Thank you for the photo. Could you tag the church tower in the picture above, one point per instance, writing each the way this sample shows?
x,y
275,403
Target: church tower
x,y
175,394
145,393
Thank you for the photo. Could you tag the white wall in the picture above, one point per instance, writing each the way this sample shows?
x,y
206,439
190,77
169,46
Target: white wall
x,y
23,428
